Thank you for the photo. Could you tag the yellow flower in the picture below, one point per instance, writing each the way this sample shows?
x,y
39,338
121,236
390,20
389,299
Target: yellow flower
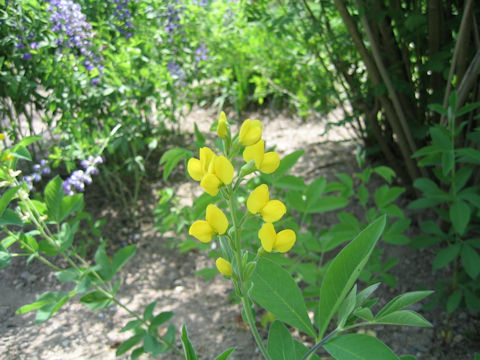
x,y
211,170
271,241
2,136
266,163
250,132
215,223
224,266
222,127
259,203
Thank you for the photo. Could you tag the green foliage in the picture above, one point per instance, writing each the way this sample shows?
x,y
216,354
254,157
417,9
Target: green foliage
x,y
454,197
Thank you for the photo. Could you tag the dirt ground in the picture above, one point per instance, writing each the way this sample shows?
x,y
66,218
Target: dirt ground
x,y
159,272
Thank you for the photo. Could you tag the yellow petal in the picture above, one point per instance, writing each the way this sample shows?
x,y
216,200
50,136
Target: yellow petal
x,y
267,236
258,199
202,231
284,241
206,158
224,169
250,132
270,162
222,127
224,266
210,184
273,211
216,219
255,152
194,168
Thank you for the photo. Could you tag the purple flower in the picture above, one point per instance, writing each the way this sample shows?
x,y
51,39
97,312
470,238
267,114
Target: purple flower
x,y
77,180
95,81
34,46
27,56
20,46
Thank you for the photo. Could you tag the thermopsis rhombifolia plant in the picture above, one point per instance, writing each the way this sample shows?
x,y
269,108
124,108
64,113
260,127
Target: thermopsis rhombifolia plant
x,y
257,276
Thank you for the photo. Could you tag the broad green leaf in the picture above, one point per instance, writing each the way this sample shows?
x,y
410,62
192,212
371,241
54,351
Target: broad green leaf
x,y
226,354
385,172
133,324
403,317
21,152
151,344
148,312
315,191
171,158
364,313
96,300
454,300
445,256
137,353
275,290
103,264
385,195
295,200
10,217
301,350
53,198
344,271
441,137
160,319
402,301
67,275
280,342
287,162
448,162
359,347
5,257
69,205
187,345
470,261
128,344
347,307
459,216
7,196
122,256
290,182
328,203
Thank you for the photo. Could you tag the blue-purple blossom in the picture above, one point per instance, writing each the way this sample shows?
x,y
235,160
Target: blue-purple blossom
x,y
27,56
123,15
176,72
77,180
201,53
39,170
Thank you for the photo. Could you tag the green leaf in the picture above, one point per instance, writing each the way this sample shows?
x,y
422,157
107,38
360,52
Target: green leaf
x,y
385,172
295,200
226,354
290,182
275,290
402,301
7,196
287,162
459,216
171,158
441,137
21,152
95,300
148,312
67,275
128,344
133,324
445,256
315,191
454,300
364,313
122,256
10,217
137,353
160,319
280,342
347,307
187,345
470,261
151,344
53,198
403,317
385,195
344,271
359,347
70,204
301,350
448,162
5,257
472,300
327,203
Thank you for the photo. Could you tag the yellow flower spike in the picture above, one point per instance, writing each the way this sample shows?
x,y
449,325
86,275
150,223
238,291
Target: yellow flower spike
x,y
216,219
270,163
259,203
223,169
255,152
194,167
250,132
224,266
258,199
271,241
266,163
273,211
210,184
222,127
202,231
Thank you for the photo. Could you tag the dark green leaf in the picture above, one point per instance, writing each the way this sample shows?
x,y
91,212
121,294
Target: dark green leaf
x,y
445,256
280,342
128,344
69,205
385,195
288,161
226,354
290,182
403,317
133,324
148,312
470,261
454,300
385,172
301,350
7,196
96,300
328,203
187,345
122,256
275,290
459,216
402,301
344,271
160,319
359,347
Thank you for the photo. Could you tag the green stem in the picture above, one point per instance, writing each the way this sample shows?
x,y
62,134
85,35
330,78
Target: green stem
x,y
253,327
